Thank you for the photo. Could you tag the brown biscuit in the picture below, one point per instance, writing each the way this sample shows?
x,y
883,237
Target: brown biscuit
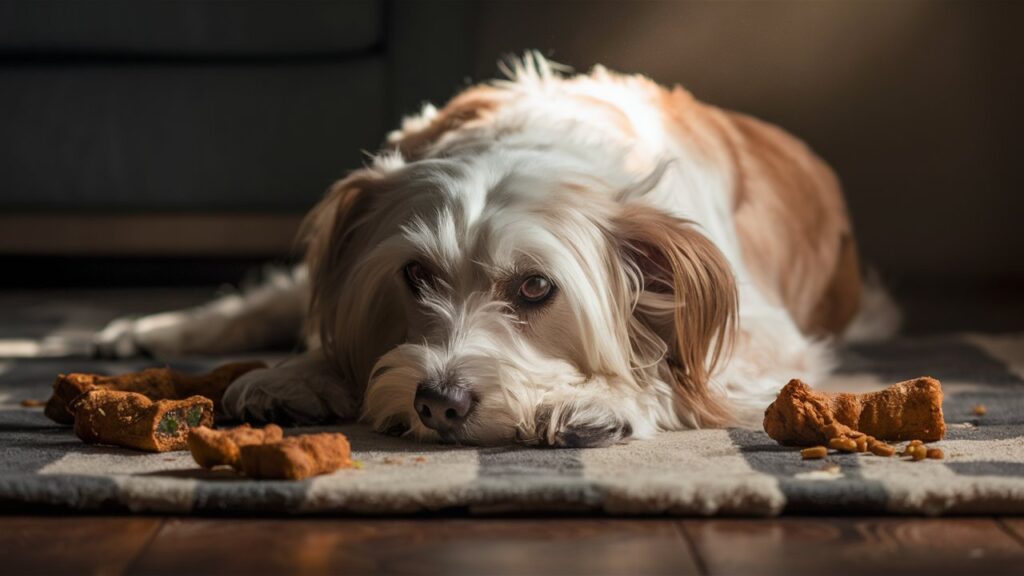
x,y
801,416
132,420
211,448
297,457
213,384
154,383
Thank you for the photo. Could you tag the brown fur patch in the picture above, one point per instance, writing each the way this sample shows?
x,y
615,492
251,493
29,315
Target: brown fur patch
x,y
472,105
674,257
794,231
326,233
790,216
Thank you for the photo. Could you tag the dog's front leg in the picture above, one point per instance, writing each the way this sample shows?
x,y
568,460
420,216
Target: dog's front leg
x,y
301,391
584,416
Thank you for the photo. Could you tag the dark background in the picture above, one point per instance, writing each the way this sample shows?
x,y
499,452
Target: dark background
x,y
169,142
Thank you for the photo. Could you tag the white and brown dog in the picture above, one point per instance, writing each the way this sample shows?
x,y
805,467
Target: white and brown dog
x,y
568,261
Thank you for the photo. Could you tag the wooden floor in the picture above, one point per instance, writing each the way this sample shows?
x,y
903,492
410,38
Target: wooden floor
x,y
454,546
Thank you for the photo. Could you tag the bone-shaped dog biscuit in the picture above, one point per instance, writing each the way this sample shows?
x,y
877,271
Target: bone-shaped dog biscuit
x,y
132,420
154,383
910,410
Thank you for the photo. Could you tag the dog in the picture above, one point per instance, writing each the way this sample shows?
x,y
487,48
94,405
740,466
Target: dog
x,y
555,260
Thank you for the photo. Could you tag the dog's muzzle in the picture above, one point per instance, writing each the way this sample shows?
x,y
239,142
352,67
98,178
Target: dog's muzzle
x,y
442,407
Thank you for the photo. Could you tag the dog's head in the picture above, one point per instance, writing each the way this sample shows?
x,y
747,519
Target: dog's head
x,y
479,300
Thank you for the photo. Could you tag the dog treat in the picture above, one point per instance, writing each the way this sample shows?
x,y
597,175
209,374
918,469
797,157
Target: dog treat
x,y
862,443
979,410
133,420
211,447
802,416
837,430
882,449
908,450
918,452
296,457
842,444
935,454
814,453
154,383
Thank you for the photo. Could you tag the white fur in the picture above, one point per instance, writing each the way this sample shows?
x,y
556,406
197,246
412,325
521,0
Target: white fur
x,y
249,320
487,204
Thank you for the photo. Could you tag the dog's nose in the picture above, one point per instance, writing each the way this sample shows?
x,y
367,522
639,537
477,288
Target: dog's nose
x,y
442,407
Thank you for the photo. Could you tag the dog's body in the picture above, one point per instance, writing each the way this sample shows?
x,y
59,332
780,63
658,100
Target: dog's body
x,y
565,261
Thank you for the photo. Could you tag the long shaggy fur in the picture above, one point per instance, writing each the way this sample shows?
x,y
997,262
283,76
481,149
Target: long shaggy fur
x,y
700,259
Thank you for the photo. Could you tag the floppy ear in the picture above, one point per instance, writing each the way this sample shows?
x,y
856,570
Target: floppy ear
x,y
678,266
328,233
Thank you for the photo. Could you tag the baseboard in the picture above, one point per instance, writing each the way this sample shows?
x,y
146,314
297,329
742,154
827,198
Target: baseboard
x,y
263,235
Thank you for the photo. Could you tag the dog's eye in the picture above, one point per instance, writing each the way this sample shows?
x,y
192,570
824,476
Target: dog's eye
x,y
417,276
535,289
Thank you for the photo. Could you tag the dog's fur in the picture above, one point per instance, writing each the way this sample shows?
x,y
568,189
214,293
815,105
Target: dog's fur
x,y
700,259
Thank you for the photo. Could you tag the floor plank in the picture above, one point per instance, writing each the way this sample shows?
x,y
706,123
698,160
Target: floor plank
x,y
854,546
72,545
1015,526
423,546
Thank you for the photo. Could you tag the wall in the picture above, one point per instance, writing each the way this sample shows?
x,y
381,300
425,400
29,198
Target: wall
x,y
917,105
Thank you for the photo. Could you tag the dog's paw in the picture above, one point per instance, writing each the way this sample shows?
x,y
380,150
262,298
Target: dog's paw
x,y
161,335
116,340
393,427
293,395
262,396
571,425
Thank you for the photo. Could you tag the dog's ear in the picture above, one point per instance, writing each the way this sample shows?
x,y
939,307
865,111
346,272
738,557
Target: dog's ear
x,y
328,234
676,265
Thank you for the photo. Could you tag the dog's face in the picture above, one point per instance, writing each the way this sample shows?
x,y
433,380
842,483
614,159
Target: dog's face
x,y
512,299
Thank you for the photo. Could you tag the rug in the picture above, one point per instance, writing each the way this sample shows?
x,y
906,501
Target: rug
x,y
699,472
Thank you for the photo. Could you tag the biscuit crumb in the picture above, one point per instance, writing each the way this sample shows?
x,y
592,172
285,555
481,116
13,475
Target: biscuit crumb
x,y
814,453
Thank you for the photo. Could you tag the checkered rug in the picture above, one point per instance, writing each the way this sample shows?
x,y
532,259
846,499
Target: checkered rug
x,y
703,472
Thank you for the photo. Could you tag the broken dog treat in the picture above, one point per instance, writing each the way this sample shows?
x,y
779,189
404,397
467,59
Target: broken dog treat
x,y
918,452
842,444
297,457
211,447
801,416
882,449
263,453
862,443
132,420
814,453
154,383
911,446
